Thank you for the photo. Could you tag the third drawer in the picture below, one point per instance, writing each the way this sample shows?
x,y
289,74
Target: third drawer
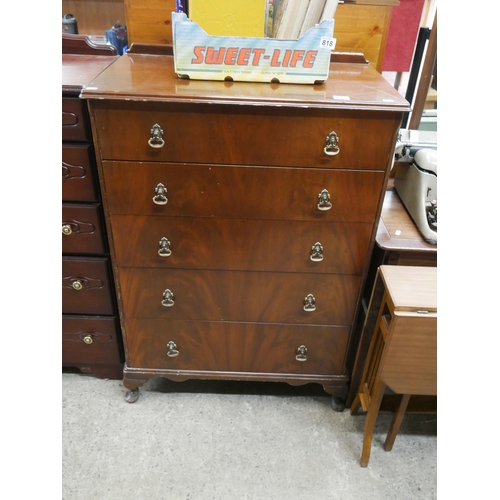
x,y
81,229
240,244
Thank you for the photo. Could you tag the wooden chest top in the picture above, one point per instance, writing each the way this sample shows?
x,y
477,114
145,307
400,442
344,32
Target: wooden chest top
x,y
152,77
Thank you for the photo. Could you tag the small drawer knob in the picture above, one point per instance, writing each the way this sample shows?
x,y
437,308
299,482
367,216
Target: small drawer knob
x,y
156,139
301,353
168,298
172,351
77,285
317,252
309,303
332,144
324,200
164,250
88,339
66,229
160,197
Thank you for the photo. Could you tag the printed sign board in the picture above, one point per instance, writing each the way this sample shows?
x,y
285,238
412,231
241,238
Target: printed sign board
x,y
199,56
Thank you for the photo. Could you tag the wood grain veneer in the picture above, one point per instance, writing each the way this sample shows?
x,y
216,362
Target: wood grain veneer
x,y
240,244
258,193
236,347
238,296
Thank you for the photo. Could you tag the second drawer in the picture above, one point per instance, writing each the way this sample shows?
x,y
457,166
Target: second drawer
x,y
79,182
242,192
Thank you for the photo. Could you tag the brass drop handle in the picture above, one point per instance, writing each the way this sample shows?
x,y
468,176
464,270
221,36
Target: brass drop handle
x,y
160,197
172,349
164,250
309,303
317,252
324,201
88,339
168,298
66,229
301,353
156,140
332,144
77,285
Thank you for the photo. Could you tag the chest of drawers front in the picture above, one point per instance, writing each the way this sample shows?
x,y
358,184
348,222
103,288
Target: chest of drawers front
x,y
239,235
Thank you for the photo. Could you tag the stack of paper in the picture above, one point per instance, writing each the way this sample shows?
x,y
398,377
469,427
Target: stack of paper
x,y
293,18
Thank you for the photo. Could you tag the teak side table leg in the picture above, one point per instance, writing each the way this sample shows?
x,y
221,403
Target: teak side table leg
x,y
396,422
355,405
371,419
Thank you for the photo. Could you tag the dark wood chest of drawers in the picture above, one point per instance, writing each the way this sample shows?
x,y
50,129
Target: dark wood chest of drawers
x,y
91,338
240,235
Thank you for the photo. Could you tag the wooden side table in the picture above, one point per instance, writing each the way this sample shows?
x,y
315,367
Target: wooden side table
x,y
398,243
403,350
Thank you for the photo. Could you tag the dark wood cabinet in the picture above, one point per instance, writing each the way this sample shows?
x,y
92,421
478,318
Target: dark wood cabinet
x,y
91,338
239,244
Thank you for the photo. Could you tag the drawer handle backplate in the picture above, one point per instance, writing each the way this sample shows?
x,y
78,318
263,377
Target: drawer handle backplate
x,y
160,197
324,201
164,250
317,252
172,349
332,144
168,298
301,353
309,303
156,140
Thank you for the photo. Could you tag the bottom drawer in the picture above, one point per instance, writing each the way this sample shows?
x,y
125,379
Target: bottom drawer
x,y
236,347
90,339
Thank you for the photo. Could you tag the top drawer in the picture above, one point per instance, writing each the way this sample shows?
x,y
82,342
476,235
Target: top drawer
x,y
74,120
244,135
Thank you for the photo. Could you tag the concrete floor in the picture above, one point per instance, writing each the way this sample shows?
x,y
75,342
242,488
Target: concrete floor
x,y
202,440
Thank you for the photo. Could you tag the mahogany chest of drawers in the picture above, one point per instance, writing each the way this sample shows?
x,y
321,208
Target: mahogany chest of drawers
x,y
91,338
241,217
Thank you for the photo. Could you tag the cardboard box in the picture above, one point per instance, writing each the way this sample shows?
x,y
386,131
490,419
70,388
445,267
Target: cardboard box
x,y
199,56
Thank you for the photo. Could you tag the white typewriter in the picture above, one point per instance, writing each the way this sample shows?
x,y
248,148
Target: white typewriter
x,y
416,179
